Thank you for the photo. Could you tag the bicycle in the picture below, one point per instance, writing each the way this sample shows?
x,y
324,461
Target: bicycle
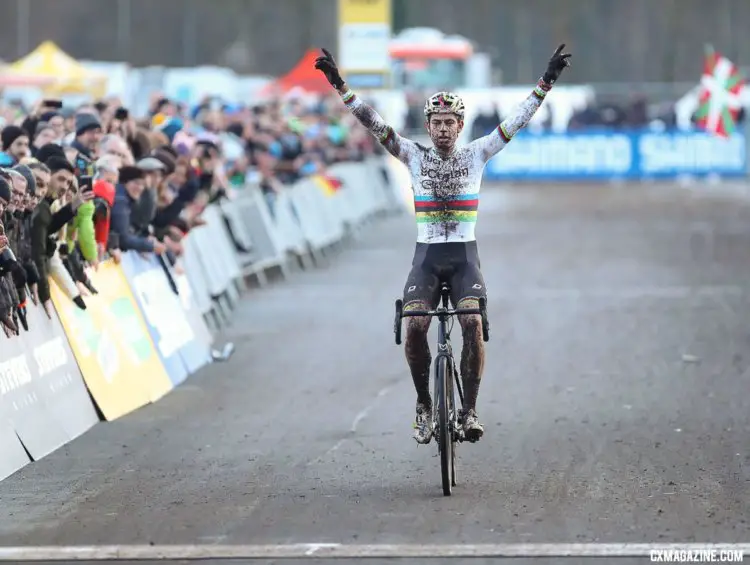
x,y
449,429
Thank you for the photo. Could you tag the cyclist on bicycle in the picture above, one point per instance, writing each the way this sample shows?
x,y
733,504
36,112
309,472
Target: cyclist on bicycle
x,y
445,181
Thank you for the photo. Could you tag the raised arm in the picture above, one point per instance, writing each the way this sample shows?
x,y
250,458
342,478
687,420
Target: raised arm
x,y
396,145
496,140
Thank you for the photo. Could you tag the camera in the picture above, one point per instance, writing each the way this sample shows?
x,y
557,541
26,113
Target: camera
x,y
52,103
85,183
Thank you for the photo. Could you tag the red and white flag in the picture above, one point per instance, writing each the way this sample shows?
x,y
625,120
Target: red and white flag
x,y
719,100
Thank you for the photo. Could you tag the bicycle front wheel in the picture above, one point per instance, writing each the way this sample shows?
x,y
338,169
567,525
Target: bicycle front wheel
x,y
444,397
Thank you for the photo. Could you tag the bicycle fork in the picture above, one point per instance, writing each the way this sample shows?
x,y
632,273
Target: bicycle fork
x,y
456,420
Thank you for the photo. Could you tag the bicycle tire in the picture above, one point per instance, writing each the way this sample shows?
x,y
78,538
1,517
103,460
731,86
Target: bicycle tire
x,y
455,382
444,397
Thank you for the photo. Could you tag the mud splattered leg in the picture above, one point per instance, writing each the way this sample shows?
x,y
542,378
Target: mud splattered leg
x,y
418,354
472,355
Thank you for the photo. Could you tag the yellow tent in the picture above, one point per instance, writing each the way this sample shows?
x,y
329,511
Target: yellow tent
x,y
65,74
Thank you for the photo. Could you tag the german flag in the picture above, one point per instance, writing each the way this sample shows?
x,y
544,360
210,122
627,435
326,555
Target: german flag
x,y
329,185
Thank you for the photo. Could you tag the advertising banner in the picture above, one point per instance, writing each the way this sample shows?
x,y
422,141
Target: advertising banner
x,y
165,318
54,366
200,354
45,398
611,154
364,37
34,425
112,345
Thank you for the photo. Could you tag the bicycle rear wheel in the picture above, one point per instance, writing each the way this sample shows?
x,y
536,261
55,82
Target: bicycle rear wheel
x,y
444,397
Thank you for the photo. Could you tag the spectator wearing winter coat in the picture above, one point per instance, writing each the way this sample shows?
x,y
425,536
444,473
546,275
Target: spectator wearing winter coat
x,y
45,223
11,220
128,193
8,299
87,135
106,239
80,233
107,173
38,189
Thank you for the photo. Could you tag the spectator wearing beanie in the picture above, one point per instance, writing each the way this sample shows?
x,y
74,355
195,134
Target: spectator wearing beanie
x,y
45,224
15,145
88,132
128,193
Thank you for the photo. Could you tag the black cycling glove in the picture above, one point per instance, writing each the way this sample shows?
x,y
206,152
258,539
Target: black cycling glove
x,y
556,64
326,64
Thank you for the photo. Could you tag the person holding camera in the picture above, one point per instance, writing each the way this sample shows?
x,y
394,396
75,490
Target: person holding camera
x,y
79,244
45,224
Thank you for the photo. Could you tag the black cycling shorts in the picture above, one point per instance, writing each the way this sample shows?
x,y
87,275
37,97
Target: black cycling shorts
x,y
455,263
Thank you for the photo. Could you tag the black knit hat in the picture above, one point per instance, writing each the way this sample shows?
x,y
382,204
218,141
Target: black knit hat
x,y
10,134
49,150
128,173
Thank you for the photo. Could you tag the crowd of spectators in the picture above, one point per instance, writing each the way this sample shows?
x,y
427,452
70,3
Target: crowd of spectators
x,y
79,185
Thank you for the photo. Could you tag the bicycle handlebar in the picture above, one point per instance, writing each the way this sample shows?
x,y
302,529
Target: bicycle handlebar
x,y
442,311
458,312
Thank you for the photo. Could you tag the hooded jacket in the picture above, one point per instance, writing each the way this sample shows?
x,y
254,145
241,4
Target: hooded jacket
x,y
105,199
83,231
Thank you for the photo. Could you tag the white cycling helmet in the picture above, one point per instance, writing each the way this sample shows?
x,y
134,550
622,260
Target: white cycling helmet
x,y
444,103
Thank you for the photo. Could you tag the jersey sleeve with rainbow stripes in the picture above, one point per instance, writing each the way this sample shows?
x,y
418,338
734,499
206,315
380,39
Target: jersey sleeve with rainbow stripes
x,y
492,143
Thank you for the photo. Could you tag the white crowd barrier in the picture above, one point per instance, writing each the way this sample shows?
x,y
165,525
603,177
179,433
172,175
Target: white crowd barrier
x,y
138,339
246,239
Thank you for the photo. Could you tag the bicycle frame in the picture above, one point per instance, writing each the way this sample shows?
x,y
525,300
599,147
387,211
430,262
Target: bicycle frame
x,y
449,429
445,349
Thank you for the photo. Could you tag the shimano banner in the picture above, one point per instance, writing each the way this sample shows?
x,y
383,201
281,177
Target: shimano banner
x,y
42,391
610,154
